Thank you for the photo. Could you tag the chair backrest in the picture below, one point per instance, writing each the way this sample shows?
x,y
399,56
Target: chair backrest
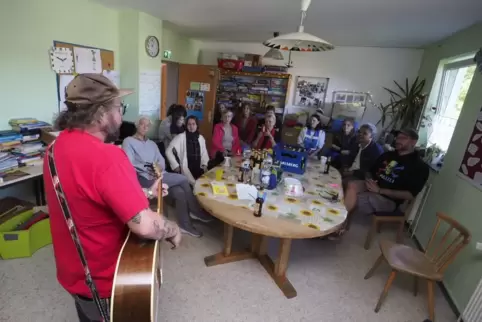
x,y
442,252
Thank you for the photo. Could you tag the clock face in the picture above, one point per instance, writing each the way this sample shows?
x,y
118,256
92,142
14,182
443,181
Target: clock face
x,y
152,46
62,60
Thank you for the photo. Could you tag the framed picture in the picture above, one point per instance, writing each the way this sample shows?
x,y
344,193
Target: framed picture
x,y
310,91
349,104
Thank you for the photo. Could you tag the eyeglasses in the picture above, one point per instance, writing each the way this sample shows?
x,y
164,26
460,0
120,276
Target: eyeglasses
x,y
122,107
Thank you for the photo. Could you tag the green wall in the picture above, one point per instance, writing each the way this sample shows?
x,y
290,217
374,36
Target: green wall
x,y
451,194
27,30
184,50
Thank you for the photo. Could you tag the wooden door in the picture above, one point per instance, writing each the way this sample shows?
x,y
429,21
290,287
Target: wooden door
x,y
191,77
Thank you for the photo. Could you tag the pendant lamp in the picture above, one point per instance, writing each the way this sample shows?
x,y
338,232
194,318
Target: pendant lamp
x,y
300,40
274,53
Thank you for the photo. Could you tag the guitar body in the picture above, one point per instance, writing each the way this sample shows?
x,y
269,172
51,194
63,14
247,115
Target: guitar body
x,y
137,281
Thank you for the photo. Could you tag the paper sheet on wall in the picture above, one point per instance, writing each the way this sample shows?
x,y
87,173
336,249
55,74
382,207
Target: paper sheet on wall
x,y
150,93
87,60
113,75
64,80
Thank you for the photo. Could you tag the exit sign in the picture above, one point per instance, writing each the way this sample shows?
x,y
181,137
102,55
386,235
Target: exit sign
x,y
167,54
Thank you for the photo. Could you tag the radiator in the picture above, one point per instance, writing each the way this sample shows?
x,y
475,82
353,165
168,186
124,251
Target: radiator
x,y
417,208
473,310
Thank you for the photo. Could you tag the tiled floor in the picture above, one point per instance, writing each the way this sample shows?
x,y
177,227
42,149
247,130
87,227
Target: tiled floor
x,y
327,275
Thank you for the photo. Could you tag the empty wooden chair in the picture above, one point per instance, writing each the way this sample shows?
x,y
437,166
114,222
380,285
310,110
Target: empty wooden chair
x,y
430,265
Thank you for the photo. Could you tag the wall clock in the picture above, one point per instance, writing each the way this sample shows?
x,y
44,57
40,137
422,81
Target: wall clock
x,y
152,46
62,60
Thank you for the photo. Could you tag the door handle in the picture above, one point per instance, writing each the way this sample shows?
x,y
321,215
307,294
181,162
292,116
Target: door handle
x,y
209,116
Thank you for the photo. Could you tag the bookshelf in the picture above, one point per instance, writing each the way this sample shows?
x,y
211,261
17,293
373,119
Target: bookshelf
x,y
258,89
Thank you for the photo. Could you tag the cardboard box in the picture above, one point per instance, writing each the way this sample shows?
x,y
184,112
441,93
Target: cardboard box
x,y
289,135
255,60
48,135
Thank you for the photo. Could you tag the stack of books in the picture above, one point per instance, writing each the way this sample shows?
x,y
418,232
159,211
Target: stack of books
x,y
29,153
8,162
29,128
9,140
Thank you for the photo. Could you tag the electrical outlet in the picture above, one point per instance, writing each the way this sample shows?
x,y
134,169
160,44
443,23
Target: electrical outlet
x,y
478,246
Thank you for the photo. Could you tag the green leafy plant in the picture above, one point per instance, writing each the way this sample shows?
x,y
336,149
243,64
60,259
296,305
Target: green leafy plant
x,y
406,103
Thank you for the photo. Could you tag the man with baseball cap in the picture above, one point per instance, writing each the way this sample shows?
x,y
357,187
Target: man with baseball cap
x,y
93,194
395,177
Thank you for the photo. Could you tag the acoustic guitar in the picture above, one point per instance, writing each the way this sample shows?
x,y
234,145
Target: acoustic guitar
x,y
138,276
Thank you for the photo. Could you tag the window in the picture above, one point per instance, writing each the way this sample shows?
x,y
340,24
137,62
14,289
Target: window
x,y
455,82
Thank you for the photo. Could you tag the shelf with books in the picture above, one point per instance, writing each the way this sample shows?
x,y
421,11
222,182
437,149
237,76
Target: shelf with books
x,y
258,89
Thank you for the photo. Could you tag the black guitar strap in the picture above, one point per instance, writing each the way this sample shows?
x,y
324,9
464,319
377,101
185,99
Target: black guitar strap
x,y
104,312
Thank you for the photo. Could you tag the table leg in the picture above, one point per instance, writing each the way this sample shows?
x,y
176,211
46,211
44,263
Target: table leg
x,y
277,270
227,255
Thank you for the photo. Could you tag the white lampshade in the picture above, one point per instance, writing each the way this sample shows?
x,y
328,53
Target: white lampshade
x,y
274,54
298,41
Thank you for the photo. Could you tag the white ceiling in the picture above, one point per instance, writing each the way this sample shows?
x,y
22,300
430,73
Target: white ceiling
x,y
377,23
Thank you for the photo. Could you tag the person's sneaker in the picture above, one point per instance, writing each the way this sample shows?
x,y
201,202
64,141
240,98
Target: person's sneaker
x,y
203,217
191,231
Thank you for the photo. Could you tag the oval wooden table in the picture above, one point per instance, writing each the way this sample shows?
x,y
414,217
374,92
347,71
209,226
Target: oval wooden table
x,y
312,215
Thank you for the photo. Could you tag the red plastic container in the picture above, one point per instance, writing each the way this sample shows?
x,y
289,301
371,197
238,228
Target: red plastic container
x,y
231,64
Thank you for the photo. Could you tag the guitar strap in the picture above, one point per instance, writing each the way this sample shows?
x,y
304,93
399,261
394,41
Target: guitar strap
x,y
104,312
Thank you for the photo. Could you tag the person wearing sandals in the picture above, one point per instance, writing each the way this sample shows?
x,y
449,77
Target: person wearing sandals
x,y
141,152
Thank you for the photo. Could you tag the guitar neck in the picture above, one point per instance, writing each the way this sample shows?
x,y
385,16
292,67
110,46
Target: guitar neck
x,y
160,202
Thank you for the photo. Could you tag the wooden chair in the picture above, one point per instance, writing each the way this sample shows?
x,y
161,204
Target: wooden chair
x,y
379,218
429,265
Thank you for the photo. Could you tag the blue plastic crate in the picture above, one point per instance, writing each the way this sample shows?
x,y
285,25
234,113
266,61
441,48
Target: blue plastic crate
x,y
292,159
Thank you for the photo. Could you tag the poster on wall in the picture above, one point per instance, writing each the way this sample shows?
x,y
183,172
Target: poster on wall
x,y
471,166
310,91
195,103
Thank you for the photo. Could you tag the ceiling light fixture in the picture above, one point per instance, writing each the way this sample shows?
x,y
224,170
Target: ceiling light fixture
x,y
274,53
299,41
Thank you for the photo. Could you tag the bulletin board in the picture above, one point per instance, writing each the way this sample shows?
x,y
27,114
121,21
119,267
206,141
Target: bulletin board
x,y
470,167
108,66
107,56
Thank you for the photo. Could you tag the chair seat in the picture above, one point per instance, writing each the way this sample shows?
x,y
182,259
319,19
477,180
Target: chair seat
x,y
406,259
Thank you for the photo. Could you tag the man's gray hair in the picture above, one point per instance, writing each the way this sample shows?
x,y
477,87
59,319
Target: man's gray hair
x,y
143,118
371,127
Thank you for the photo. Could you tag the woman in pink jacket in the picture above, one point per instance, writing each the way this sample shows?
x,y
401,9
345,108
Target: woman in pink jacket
x,y
225,137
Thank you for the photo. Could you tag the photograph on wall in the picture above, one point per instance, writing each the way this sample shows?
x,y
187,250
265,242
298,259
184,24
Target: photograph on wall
x,y
195,103
470,167
349,104
310,91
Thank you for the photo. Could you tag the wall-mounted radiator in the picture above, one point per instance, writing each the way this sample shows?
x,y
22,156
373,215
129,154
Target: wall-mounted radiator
x,y
417,208
473,310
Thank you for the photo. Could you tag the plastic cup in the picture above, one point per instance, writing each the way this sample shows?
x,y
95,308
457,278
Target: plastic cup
x,y
219,174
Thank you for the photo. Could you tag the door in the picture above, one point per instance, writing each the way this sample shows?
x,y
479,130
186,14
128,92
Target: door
x,y
197,91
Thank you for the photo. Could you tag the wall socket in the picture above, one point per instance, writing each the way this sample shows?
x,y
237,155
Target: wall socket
x,y
478,246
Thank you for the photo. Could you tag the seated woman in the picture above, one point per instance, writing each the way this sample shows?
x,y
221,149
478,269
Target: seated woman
x,y
143,152
269,135
365,156
187,152
312,137
246,124
166,128
344,142
218,113
225,137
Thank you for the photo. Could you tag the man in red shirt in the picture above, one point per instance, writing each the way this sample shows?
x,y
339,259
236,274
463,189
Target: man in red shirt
x,y
101,189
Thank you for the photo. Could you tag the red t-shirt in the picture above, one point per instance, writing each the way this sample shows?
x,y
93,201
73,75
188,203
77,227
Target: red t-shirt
x,y
103,194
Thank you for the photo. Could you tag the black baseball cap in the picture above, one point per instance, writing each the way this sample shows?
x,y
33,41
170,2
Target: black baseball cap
x,y
411,133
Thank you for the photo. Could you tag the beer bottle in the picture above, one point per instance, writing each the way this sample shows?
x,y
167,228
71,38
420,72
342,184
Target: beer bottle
x,y
258,207
241,174
327,166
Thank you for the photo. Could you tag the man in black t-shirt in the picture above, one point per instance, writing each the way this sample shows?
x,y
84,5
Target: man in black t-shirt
x,y
396,177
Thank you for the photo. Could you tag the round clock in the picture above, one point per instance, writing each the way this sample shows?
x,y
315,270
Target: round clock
x,y
152,46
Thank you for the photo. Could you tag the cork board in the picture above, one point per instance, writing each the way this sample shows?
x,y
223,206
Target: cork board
x,y
107,56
